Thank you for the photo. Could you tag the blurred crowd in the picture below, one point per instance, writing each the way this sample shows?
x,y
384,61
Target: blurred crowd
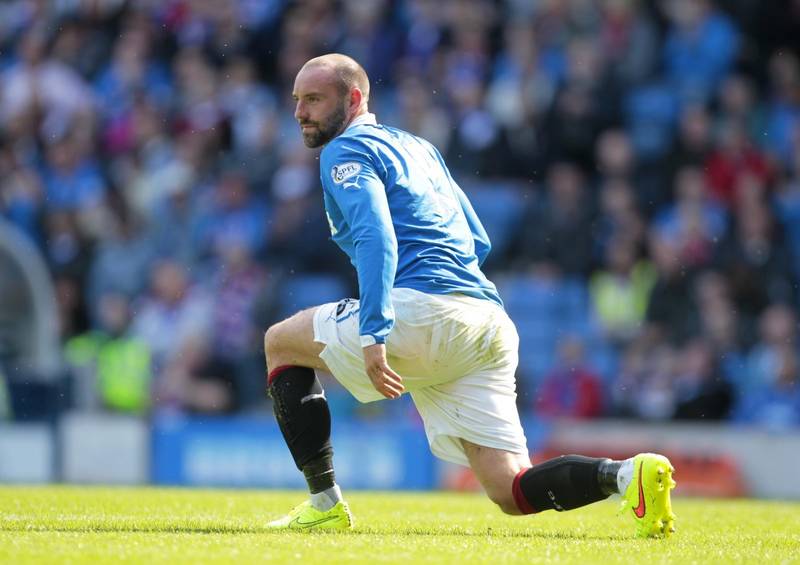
x,y
649,153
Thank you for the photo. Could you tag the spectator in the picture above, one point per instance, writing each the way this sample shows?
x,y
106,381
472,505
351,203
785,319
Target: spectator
x,y
572,389
136,132
787,205
369,36
783,112
614,155
756,260
739,105
644,388
702,393
243,293
775,404
111,361
198,382
417,112
236,282
36,82
477,144
175,222
424,33
694,142
700,48
199,107
22,195
121,259
671,310
520,87
174,313
734,157
629,40
233,211
73,312
577,117
694,223
620,292
66,249
619,218
719,322
154,163
777,334
72,181
299,227
519,95
249,105
130,76
554,238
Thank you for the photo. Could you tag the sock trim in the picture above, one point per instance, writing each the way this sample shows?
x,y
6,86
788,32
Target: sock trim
x,y
519,498
275,373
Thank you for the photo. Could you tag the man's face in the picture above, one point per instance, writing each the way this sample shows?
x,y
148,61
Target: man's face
x,y
320,109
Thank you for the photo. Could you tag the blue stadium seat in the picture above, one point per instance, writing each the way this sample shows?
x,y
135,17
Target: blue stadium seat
x,y
545,311
536,306
303,291
651,111
500,207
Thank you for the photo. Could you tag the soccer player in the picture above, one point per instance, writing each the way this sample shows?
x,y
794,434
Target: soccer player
x,y
425,311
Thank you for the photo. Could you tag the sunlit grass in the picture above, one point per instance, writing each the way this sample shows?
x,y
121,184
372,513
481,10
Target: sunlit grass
x,y
148,525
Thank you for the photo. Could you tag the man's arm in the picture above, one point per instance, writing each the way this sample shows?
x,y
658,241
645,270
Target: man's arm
x,y
350,178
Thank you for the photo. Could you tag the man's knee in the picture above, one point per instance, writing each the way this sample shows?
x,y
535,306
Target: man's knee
x,y
291,342
272,339
495,469
277,346
502,496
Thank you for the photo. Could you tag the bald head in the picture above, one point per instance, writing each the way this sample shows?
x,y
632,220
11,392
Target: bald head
x,y
347,73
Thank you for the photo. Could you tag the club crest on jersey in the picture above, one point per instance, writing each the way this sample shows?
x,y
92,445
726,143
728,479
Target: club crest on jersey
x,y
341,173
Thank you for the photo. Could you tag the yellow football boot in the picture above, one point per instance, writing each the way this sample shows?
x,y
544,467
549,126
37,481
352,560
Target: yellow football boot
x,y
306,517
647,498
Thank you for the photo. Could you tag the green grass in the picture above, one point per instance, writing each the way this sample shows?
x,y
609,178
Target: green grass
x,y
148,525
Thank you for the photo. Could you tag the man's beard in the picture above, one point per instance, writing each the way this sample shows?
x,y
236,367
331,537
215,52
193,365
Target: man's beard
x,y
325,131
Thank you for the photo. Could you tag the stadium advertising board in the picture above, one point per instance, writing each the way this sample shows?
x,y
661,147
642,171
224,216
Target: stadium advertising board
x,y
252,453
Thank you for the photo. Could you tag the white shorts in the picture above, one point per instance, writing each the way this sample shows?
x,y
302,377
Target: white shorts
x,y
457,356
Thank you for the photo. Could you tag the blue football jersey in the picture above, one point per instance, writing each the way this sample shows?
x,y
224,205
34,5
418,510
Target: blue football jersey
x,y
396,211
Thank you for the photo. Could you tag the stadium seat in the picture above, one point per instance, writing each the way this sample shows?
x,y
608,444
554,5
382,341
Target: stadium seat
x,y
500,207
299,292
651,111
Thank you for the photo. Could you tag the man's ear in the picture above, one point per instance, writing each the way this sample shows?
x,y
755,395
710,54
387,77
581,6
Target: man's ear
x,y
356,99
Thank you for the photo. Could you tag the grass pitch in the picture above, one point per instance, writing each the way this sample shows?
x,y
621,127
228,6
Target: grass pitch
x,y
148,525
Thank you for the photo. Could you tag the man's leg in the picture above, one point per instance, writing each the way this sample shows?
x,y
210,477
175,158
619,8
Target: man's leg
x,y
563,483
572,481
495,469
304,419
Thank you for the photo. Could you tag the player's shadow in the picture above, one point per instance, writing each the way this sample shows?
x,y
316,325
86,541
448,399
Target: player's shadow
x,y
216,529
132,528
495,533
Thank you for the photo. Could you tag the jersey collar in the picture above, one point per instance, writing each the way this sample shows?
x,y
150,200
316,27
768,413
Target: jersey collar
x,y
368,118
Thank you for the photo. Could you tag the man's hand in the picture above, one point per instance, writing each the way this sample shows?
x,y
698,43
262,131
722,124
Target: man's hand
x,y
385,381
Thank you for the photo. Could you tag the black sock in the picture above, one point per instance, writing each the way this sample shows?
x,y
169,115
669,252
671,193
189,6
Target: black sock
x,y
563,483
305,422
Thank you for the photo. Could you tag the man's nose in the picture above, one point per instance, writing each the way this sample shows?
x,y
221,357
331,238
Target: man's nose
x,y
300,111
